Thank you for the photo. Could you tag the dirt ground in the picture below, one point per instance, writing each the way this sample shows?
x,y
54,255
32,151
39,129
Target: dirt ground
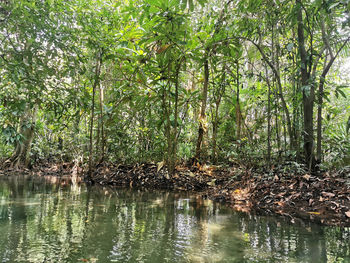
x,y
287,190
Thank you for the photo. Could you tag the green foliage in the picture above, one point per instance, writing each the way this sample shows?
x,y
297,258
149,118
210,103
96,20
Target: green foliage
x,y
150,86
337,148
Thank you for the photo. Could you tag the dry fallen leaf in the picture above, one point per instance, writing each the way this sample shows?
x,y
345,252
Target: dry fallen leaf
x,y
311,201
212,183
307,177
279,203
328,194
166,175
160,165
192,174
237,191
347,214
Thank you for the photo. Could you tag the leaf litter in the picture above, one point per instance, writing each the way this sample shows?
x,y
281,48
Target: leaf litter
x,y
284,190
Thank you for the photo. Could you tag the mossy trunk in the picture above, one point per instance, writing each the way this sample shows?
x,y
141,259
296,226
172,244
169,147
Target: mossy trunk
x,y
21,154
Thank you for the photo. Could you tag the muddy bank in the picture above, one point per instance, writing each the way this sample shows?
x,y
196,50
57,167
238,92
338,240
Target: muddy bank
x,y
287,190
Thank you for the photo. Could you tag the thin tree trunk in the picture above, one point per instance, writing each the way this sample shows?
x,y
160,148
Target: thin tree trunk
x,y
102,135
268,120
215,132
280,90
202,120
220,93
167,126
238,106
284,133
174,133
278,137
95,84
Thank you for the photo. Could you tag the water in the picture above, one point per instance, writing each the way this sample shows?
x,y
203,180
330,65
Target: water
x,y
42,221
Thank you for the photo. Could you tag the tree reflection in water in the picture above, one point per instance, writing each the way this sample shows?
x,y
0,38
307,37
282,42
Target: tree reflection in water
x,y
45,220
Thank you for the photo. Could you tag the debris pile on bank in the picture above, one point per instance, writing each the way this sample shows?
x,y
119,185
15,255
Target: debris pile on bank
x,y
287,189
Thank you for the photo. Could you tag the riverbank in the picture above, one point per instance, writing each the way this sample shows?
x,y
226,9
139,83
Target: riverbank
x,y
287,190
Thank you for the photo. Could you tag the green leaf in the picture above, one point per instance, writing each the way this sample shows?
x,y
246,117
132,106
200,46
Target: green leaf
x,y
342,93
334,5
153,2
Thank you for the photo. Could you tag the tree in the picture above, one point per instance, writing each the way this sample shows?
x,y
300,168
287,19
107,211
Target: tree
x,y
33,47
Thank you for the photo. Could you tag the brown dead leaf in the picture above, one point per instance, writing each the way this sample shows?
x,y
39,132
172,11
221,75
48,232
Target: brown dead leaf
x,y
204,168
281,194
328,194
279,203
212,182
311,201
307,177
237,191
192,174
166,175
160,166
347,214
292,185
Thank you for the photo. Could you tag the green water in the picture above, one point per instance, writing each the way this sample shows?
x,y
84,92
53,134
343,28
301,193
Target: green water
x,y
42,221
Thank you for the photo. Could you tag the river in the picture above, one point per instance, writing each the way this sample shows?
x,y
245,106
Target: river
x,y
49,220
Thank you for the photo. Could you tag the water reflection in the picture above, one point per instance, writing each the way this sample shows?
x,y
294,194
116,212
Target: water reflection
x,y
41,221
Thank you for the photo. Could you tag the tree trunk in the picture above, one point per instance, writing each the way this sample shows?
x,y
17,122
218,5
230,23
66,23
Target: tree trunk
x,y
308,92
167,129
238,106
102,135
202,120
276,43
268,121
95,85
215,132
173,141
319,122
278,137
21,155
280,91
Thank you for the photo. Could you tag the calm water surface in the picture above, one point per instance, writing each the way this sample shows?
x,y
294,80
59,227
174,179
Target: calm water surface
x,y
42,221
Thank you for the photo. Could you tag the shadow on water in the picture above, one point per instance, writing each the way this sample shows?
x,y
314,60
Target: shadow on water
x,y
50,220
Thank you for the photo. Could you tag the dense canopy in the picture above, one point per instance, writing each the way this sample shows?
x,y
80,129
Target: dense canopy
x,y
252,81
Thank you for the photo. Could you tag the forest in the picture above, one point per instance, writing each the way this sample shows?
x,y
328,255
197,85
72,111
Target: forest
x,y
182,88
